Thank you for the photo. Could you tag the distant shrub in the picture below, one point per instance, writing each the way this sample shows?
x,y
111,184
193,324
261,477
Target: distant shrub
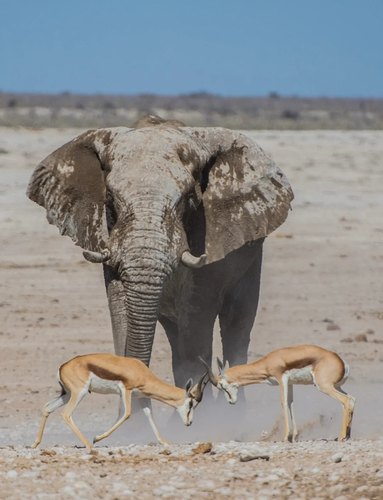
x,y
108,105
12,103
290,114
199,94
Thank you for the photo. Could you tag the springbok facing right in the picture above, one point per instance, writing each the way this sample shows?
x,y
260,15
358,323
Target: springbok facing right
x,y
301,364
108,374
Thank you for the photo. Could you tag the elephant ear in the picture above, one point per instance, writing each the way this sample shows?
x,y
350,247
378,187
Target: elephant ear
x,y
245,195
70,185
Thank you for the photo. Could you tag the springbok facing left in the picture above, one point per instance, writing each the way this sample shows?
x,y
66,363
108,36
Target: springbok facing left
x,y
301,364
110,374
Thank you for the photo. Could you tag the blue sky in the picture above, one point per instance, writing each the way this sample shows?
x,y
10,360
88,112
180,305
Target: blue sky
x,y
226,47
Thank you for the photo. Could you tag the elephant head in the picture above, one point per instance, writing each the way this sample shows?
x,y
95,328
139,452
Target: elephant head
x,y
146,199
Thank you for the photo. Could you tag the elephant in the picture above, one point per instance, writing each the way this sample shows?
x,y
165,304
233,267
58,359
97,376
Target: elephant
x,y
177,215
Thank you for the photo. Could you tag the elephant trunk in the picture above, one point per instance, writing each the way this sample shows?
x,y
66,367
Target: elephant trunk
x,y
141,324
147,263
142,297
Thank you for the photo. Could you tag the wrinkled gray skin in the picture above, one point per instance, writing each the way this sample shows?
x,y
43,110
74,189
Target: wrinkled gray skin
x,y
143,196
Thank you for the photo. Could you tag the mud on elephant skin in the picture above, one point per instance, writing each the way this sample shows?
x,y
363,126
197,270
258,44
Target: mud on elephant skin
x,y
177,215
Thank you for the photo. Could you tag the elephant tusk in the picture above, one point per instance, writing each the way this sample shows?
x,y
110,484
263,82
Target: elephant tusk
x,y
190,260
97,257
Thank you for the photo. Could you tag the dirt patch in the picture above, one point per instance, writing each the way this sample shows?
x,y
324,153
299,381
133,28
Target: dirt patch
x,y
304,470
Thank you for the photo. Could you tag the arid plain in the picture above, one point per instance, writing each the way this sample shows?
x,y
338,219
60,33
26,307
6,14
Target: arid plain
x,y
321,283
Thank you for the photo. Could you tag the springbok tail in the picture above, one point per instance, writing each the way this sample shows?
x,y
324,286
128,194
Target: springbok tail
x,y
61,400
346,372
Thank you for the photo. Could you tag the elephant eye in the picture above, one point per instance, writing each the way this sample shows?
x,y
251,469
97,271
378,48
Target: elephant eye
x,y
192,201
111,212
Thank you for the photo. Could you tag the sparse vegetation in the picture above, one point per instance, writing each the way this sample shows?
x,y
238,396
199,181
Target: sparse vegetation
x,y
195,109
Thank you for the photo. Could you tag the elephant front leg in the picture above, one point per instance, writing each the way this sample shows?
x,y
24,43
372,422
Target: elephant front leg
x,y
117,307
195,339
238,313
172,334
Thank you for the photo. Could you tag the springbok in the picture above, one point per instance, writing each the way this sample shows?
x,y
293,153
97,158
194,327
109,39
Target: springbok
x,y
110,374
301,364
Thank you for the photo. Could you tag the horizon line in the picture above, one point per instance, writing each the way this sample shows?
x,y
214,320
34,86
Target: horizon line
x,y
201,93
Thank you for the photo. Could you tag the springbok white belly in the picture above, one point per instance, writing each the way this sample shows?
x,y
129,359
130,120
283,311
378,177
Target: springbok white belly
x,y
300,375
103,386
303,376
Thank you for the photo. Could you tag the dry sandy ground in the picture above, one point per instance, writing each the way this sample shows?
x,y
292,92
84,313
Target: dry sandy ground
x,y
321,283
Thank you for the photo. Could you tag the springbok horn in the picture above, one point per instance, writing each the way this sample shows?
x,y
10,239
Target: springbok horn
x,y
189,387
201,386
212,377
97,257
194,262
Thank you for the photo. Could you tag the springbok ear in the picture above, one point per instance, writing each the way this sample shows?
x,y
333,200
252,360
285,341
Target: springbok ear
x,y
70,185
189,385
245,195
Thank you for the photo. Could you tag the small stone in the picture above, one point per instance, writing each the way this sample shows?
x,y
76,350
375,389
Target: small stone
x,y
270,477
362,488
127,493
81,485
347,339
12,474
333,477
164,489
48,453
207,484
361,337
332,327
165,451
69,491
224,491
266,493
247,457
70,475
203,448
337,458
